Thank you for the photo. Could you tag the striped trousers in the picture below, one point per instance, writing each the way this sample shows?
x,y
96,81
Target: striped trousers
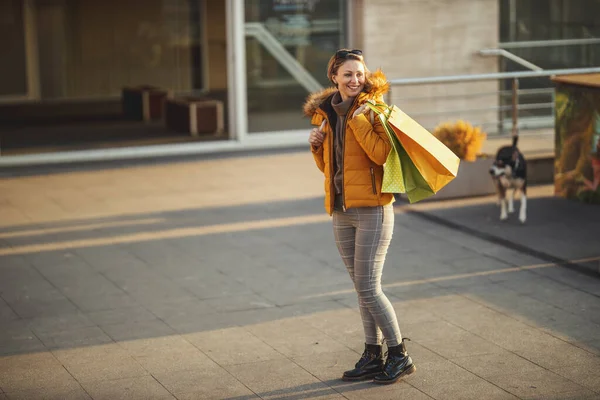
x,y
362,236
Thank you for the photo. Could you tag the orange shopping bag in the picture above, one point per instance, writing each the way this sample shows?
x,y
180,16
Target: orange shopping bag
x,y
437,163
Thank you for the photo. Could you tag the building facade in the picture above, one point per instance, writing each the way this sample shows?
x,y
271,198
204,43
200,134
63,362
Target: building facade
x,y
72,58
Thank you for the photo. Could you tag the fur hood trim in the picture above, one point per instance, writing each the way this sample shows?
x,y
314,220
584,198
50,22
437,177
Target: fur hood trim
x,y
379,86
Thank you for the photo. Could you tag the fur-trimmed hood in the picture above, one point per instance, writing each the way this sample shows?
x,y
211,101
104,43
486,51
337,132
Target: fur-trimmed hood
x,y
377,88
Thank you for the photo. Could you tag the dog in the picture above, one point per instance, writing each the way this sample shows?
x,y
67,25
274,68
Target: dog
x,y
509,173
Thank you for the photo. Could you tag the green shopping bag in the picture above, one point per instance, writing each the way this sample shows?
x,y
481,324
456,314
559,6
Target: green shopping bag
x,y
393,180
400,175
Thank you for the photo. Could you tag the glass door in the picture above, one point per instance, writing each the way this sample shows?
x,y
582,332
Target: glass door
x,y
13,51
288,45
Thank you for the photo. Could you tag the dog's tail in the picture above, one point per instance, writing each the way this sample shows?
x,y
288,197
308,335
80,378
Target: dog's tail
x,y
515,140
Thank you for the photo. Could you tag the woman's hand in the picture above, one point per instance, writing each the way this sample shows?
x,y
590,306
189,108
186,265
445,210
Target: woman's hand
x,y
360,110
363,109
317,136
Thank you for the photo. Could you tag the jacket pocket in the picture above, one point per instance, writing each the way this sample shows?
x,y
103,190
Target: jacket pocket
x,y
373,181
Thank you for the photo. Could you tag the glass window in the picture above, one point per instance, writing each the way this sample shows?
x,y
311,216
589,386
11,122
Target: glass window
x,y
288,45
525,20
539,20
13,78
93,49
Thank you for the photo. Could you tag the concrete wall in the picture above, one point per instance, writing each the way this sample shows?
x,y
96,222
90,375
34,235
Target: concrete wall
x,y
420,38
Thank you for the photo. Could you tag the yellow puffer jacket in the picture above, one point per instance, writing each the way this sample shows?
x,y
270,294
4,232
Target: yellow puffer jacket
x,y
366,147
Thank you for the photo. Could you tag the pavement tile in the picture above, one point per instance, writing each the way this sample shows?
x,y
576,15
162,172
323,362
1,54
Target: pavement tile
x,y
466,345
33,308
437,373
421,354
92,286
23,361
101,302
16,337
156,345
59,323
538,384
59,264
371,391
144,387
207,383
6,313
208,392
406,289
593,346
570,355
413,311
490,365
159,294
204,285
87,354
343,325
281,379
291,292
570,328
174,361
121,316
50,394
294,338
106,367
89,336
536,286
571,278
329,367
232,346
180,310
434,331
470,389
34,372
104,258
477,263
576,395
586,374
238,303
137,330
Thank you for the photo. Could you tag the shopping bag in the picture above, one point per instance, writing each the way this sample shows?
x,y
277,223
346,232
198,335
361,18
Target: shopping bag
x,y
393,180
400,175
435,163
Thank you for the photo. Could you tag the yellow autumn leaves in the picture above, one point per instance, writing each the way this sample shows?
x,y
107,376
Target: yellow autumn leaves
x,y
462,138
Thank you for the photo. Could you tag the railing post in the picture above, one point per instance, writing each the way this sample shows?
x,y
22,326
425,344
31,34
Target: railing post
x,y
515,107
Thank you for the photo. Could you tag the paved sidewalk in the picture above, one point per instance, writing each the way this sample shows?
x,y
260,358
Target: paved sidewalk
x,y
219,279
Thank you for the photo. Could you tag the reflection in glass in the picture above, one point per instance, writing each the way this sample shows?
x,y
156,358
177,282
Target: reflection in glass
x,y
308,30
13,78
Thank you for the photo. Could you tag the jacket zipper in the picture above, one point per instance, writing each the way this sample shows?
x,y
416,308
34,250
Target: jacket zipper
x,y
351,109
331,162
373,181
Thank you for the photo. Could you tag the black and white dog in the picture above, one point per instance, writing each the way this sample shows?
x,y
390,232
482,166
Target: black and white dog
x,y
509,171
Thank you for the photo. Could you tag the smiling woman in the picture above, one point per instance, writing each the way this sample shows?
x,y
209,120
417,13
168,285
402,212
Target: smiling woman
x,y
350,149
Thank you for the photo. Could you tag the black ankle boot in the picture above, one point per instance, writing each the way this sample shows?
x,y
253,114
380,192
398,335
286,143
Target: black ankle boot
x,y
369,365
397,365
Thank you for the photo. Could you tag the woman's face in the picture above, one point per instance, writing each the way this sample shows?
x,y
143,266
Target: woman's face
x,y
350,78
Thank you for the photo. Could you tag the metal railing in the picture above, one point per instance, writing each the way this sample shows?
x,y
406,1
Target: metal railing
x,y
527,109
274,47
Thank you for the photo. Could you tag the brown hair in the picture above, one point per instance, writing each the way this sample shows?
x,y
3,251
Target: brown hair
x,y
337,60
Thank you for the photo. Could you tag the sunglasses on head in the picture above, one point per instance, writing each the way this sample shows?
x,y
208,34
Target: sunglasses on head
x,y
345,53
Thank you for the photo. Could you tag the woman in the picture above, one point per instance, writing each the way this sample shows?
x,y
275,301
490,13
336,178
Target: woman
x,y
350,148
